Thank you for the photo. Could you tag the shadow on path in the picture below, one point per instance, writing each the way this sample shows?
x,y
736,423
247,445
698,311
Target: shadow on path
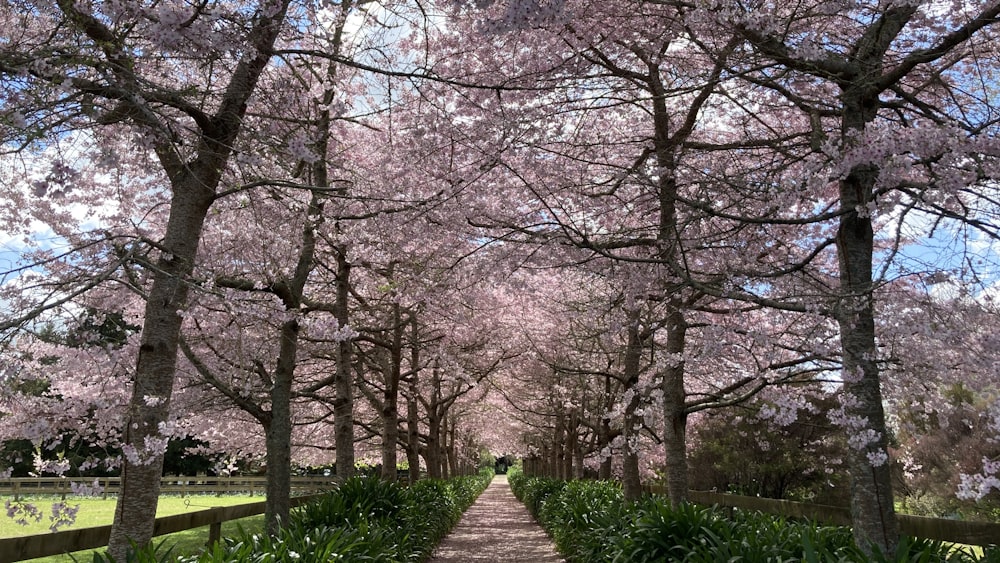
x,y
497,527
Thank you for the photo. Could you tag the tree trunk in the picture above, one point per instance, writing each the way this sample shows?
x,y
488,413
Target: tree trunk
x,y
451,455
546,459
873,515
433,453
413,434
604,435
572,445
559,445
343,403
631,482
445,448
579,470
668,142
412,444
149,405
277,503
412,405
674,410
872,512
279,433
390,399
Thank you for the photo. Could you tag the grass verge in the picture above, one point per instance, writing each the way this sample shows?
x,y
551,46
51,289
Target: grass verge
x,y
100,512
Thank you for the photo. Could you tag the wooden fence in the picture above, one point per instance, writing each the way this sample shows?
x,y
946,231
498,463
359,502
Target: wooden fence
x,y
956,531
62,486
68,541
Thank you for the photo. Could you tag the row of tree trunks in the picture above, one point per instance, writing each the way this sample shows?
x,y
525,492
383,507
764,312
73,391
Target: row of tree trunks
x,y
562,455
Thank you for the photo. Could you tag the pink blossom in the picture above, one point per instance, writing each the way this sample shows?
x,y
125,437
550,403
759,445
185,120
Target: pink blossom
x,y
23,512
62,515
976,487
82,489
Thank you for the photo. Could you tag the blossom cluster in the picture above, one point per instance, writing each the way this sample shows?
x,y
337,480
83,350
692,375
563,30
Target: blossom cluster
x,y
977,486
861,436
62,515
82,489
57,466
298,146
22,512
25,513
783,411
523,14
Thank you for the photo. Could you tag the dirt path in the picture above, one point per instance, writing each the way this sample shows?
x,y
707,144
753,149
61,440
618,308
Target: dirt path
x,y
497,527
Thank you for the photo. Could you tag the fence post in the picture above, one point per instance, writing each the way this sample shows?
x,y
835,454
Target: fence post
x,y
214,533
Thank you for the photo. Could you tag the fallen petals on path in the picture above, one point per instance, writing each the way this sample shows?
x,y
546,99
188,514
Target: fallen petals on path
x,y
497,527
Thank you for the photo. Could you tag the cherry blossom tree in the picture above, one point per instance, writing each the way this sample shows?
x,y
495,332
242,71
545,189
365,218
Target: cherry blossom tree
x,y
892,143
286,276
281,311
136,78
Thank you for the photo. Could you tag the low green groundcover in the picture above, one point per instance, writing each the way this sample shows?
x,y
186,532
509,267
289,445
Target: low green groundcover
x,y
591,523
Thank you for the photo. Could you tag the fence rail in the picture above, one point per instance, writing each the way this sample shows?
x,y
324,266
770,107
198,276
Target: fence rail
x,y
63,486
68,541
943,529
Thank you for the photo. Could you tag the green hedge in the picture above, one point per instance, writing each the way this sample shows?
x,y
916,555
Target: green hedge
x,y
591,523
365,519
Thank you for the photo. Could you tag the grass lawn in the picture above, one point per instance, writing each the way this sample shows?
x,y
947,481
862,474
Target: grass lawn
x,y
98,512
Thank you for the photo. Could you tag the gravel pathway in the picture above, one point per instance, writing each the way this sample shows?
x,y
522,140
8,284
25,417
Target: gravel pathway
x,y
497,527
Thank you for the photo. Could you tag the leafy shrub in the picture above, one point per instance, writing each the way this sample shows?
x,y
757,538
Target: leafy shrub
x,y
438,510
365,519
585,517
534,491
516,479
591,522
356,500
